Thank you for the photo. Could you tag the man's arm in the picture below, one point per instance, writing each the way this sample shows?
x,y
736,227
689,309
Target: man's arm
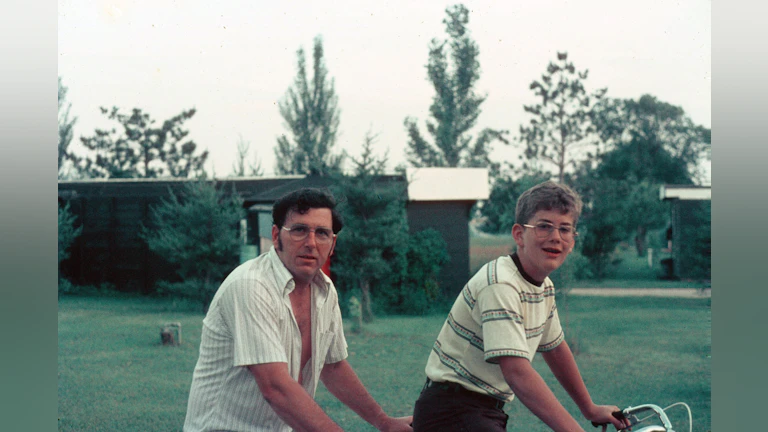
x,y
340,379
289,399
534,393
560,360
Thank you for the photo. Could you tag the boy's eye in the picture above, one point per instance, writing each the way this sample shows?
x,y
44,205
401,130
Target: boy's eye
x,y
565,230
545,226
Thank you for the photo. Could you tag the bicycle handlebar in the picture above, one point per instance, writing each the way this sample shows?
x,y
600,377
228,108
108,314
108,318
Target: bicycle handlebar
x,y
630,413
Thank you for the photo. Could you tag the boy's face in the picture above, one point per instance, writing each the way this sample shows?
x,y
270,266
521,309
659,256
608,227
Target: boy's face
x,y
540,256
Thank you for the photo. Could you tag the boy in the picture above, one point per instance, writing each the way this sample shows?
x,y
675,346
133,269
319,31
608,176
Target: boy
x,y
503,316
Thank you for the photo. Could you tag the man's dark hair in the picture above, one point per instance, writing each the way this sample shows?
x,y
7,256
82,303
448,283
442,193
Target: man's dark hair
x,y
301,201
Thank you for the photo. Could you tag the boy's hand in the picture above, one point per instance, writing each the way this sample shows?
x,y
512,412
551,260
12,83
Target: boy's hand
x,y
602,414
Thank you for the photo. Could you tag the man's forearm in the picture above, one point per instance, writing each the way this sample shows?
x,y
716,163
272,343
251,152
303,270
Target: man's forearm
x,y
293,404
342,382
533,392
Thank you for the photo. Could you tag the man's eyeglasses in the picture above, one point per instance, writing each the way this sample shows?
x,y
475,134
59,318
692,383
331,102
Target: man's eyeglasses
x,y
543,230
300,232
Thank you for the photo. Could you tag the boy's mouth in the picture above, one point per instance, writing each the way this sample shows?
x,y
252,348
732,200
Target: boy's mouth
x,y
552,251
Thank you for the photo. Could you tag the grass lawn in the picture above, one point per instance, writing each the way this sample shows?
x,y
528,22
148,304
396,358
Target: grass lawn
x,y
115,376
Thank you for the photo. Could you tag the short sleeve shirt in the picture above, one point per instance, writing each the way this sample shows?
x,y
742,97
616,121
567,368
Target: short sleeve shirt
x,y
250,321
501,311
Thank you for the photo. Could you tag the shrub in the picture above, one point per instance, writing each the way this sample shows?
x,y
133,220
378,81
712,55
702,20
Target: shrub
x,y
197,232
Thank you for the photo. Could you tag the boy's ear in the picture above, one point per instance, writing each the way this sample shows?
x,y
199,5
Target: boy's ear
x,y
517,234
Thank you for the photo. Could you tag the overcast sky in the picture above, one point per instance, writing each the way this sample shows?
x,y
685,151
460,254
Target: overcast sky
x,y
234,60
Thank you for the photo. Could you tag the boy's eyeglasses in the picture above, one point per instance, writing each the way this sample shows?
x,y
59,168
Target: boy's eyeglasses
x,y
300,232
543,230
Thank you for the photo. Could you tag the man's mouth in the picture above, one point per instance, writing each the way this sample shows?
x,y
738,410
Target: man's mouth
x,y
307,257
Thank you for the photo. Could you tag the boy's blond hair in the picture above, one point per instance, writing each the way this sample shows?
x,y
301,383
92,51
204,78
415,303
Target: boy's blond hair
x,y
548,196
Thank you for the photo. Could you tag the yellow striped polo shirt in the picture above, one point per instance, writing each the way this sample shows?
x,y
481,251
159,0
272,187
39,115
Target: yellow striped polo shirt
x,y
500,312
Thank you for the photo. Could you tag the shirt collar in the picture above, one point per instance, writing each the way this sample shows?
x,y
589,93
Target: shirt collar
x,y
525,275
284,278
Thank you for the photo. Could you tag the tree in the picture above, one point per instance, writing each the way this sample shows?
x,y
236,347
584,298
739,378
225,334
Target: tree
x,y
310,110
371,250
66,130
239,167
67,231
649,143
499,208
455,106
560,123
141,150
197,230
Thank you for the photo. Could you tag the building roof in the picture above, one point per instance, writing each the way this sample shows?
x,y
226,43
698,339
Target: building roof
x,y
685,192
447,184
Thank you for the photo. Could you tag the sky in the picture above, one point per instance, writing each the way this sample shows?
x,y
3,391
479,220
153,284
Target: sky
x,y
233,61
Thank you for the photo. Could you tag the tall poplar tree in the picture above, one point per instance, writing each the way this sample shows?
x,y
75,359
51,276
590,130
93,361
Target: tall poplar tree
x,y
455,106
311,114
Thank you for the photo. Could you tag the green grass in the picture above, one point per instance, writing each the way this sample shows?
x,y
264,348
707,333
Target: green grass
x,y
115,376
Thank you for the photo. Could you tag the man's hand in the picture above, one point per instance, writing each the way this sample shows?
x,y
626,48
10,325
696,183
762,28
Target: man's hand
x,y
397,424
604,414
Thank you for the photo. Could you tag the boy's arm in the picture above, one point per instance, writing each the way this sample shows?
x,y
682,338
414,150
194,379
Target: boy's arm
x,y
560,360
342,382
534,393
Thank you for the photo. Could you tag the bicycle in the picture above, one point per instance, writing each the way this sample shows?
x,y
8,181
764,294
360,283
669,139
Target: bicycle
x,y
631,414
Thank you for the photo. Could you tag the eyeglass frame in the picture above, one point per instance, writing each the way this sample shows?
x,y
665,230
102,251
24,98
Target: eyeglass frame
x,y
552,229
309,230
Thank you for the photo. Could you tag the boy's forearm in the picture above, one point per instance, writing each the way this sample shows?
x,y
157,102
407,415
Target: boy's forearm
x,y
563,366
529,387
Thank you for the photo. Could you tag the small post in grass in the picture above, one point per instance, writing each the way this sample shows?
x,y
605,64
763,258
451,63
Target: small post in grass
x,y
170,333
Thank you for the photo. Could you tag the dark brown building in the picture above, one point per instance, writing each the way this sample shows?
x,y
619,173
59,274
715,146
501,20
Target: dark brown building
x,y
111,212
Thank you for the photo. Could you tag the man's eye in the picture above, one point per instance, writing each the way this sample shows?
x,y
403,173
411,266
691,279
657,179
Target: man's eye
x,y
300,229
322,232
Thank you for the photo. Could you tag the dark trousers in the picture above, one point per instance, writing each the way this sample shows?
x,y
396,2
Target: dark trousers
x,y
449,407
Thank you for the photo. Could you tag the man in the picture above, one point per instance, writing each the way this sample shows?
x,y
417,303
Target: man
x,y
273,330
503,316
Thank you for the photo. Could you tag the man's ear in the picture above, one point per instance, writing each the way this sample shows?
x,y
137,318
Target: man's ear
x,y
333,247
275,235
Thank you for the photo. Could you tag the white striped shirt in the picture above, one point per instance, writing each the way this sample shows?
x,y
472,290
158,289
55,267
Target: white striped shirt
x,y
250,321
500,312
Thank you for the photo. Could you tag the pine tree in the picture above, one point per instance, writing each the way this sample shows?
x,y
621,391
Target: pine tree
x,y
197,230
560,123
142,150
66,132
370,251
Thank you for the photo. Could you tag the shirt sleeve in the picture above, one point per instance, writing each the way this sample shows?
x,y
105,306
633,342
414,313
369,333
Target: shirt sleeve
x,y
250,314
502,323
553,333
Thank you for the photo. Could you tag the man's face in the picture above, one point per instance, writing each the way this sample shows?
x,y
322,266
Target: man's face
x,y
540,256
303,258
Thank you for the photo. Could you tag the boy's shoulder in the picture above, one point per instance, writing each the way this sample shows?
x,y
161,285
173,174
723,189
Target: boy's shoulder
x,y
504,271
